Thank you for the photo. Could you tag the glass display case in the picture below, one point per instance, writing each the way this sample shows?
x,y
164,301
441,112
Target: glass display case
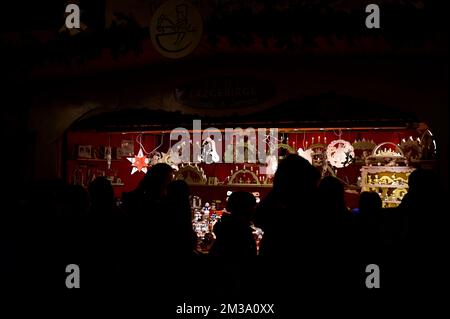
x,y
386,172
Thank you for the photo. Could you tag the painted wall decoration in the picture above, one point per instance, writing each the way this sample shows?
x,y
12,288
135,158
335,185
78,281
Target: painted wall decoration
x,y
176,29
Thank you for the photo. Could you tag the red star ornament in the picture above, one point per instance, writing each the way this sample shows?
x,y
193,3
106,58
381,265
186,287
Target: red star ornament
x,y
139,162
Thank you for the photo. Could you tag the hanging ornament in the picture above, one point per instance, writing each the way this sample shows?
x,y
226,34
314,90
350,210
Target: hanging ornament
x,y
139,162
209,153
155,158
307,155
272,165
108,153
108,156
340,153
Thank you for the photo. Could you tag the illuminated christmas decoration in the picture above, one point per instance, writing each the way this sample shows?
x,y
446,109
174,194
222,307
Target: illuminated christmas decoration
x,y
363,144
387,154
108,156
191,174
272,165
389,182
209,153
167,158
244,176
155,158
340,153
307,155
139,162
108,153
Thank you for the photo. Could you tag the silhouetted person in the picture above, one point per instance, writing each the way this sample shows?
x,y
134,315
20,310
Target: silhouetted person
x,y
75,202
234,235
417,254
234,247
178,240
51,231
286,214
179,216
337,231
369,220
104,239
147,227
369,204
102,197
40,229
332,200
151,190
287,217
421,207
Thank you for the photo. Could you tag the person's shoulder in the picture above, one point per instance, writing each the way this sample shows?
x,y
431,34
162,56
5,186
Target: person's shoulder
x,y
218,226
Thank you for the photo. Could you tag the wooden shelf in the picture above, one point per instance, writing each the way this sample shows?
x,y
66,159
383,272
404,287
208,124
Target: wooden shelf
x,y
248,185
385,186
393,169
233,185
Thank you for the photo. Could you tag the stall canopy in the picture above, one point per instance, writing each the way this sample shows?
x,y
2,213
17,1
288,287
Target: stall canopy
x,y
328,110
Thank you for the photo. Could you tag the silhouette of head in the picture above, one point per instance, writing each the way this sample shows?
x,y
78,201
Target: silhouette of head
x,y
155,182
178,190
76,200
101,192
295,175
369,202
178,200
421,181
241,203
331,191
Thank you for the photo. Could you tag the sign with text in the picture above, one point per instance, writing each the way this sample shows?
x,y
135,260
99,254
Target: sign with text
x,y
224,92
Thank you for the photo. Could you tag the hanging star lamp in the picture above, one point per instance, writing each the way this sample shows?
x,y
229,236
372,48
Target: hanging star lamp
x,y
139,162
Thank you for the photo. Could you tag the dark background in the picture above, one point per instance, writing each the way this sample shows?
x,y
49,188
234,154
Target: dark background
x,y
305,49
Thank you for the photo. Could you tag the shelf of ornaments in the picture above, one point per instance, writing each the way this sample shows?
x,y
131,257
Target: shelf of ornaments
x,y
398,181
392,201
112,184
193,174
92,160
386,176
384,168
386,172
245,185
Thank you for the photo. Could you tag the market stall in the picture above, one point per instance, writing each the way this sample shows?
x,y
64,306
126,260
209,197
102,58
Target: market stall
x,y
363,159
